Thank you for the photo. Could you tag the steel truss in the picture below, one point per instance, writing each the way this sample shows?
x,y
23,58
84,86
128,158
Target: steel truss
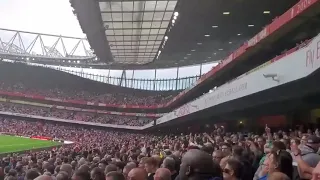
x,y
33,45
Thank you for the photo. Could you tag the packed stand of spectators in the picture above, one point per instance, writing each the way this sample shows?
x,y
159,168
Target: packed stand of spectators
x,y
73,115
109,155
107,98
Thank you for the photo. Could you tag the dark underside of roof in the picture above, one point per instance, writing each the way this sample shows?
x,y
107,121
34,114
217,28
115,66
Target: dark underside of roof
x,y
204,31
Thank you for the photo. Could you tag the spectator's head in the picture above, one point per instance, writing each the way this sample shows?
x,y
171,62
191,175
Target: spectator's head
x,y
151,165
81,175
313,142
261,142
73,165
66,168
237,151
97,174
279,161
162,174
102,165
169,163
278,145
226,149
49,168
233,170
126,170
207,148
217,155
62,175
110,168
114,175
32,174
120,165
138,174
295,142
142,162
197,164
304,139
57,169
12,172
84,168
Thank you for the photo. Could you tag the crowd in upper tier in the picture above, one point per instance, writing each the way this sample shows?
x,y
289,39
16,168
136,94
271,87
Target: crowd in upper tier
x,y
117,98
73,115
99,154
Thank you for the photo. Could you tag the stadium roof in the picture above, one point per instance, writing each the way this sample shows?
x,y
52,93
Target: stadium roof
x,y
170,33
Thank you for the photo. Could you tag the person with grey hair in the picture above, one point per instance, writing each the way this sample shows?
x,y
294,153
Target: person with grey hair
x,y
162,174
67,168
170,164
126,170
62,175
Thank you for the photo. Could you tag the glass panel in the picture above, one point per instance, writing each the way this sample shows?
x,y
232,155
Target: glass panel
x,y
127,6
166,73
144,74
116,73
207,67
171,5
189,71
161,5
150,5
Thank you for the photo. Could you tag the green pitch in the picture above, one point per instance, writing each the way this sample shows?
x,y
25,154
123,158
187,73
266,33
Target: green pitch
x,y
10,144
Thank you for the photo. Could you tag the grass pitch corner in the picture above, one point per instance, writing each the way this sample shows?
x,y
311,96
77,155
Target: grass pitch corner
x,y
12,144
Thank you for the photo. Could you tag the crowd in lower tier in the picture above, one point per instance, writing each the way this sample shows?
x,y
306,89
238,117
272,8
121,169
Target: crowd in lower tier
x,y
99,154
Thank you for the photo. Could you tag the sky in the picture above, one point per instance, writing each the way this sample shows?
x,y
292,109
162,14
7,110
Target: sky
x,y
43,16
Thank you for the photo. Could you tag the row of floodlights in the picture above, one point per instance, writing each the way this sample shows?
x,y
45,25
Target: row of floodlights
x,y
69,61
175,17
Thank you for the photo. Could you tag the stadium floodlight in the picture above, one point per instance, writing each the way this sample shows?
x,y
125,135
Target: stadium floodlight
x,y
176,14
78,61
166,37
27,59
173,21
69,61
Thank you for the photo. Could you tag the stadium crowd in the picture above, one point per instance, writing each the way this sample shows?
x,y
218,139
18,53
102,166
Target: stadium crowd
x,y
110,155
73,115
81,95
